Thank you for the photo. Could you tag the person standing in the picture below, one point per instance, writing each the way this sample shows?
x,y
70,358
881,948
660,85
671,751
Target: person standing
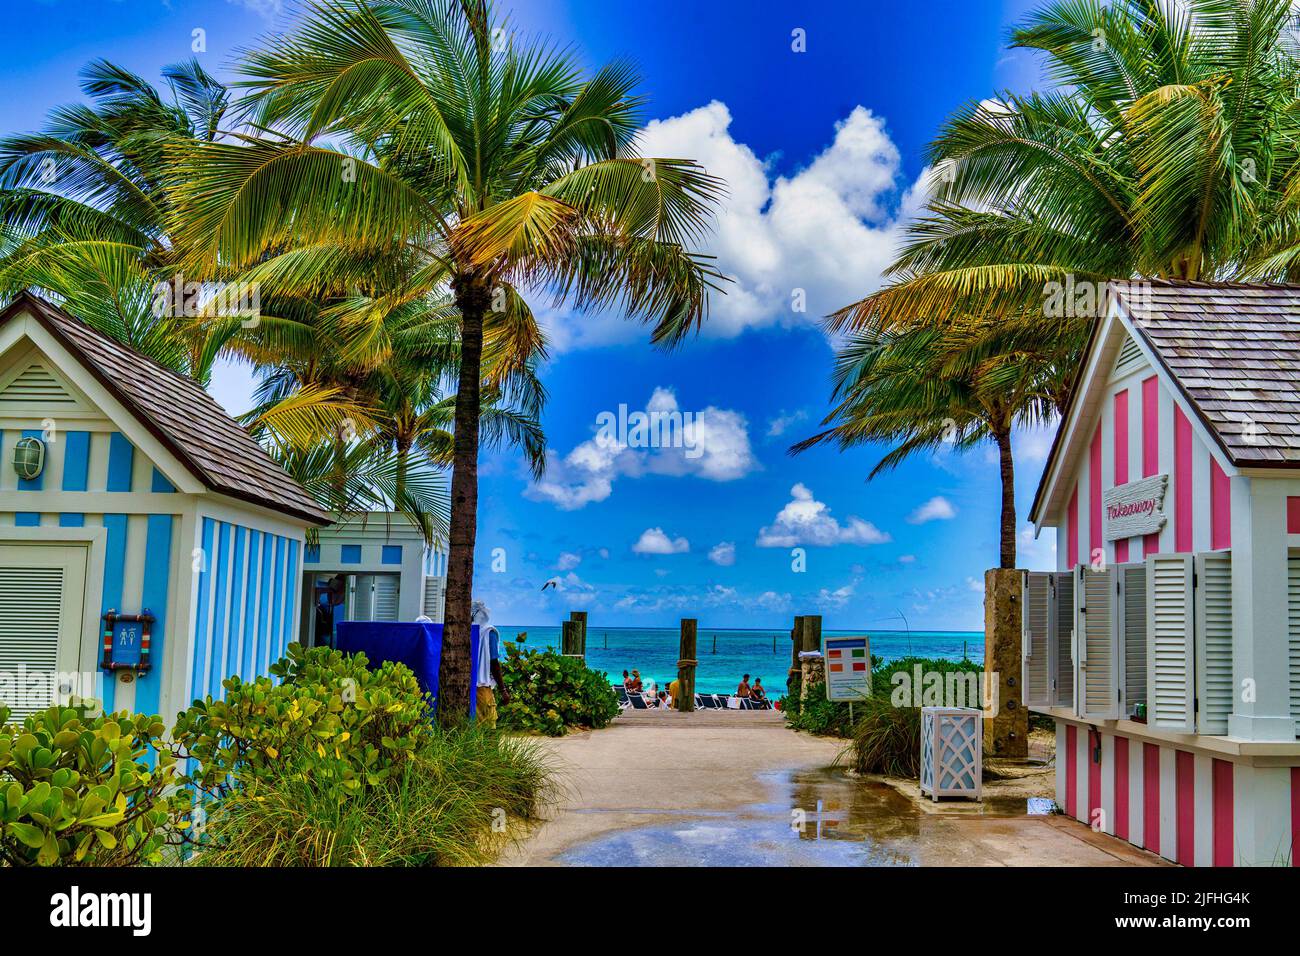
x,y
490,682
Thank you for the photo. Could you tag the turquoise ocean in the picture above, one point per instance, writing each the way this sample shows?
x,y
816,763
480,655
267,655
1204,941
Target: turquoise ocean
x,y
727,654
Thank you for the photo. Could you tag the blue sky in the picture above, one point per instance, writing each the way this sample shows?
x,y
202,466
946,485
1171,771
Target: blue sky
x,y
823,150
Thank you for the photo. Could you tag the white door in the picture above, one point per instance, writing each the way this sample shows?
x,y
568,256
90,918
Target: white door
x,y
42,596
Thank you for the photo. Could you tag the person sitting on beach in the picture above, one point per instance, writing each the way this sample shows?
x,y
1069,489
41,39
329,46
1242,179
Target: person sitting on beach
x,y
635,687
757,692
664,700
627,681
674,689
743,690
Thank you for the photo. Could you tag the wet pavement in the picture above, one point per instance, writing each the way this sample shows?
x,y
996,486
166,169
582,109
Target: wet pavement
x,y
756,794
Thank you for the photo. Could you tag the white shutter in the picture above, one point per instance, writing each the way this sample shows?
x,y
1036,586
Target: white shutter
x,y
1062,657
1213,641
1132,622
42,590
1098,664
1036,613
386,597
1293,631
433,598
1171,671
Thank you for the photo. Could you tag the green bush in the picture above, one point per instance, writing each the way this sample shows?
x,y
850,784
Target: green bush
x,y
550,693
450,805
887,739
332,718
87,791
817,715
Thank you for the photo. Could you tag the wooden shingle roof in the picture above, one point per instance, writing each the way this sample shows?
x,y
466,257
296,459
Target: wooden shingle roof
x,y
178,413
1234,351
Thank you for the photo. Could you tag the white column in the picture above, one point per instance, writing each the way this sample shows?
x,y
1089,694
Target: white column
x,y
1260,664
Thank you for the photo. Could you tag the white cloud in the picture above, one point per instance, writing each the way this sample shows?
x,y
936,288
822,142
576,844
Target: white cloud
x,y
723,554
715,446
1036,554
270,9
974,584
654,541
907,559
1034,444
827,229
937,508
804,520
838,598
568,561
776,427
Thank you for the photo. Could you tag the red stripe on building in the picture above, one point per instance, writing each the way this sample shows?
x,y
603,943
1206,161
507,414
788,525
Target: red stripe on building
x,y
1071,768
1072,529
1151,446
1094,777
1293,515
1295,815
1121,787
1151,797
1222,777
1185,792
1094,495
1220,507
1182,481
1121,458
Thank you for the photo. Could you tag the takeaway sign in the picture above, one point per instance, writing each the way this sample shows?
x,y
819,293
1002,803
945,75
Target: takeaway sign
x,y
1134,508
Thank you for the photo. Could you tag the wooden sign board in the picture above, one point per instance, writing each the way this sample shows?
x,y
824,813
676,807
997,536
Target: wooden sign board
x,y
1134,508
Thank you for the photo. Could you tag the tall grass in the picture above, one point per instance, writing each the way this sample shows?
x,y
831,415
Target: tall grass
x,y
886,740
457,803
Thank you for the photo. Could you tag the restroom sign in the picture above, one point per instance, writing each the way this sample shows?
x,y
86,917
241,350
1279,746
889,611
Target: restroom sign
x,y
848,667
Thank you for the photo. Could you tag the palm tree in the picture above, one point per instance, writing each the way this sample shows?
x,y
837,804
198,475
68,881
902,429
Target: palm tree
x,y
84,210
421,130
1169,148
925,386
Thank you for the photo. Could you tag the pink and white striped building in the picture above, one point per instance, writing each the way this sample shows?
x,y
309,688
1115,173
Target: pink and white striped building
x,y
1167,644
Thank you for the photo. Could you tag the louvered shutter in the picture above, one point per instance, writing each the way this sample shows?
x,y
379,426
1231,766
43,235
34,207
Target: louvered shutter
x,y
1036,613
1213,642
433,598
1062,637
1132,622
1293,631
41,600
1171,670
1097,668
386,590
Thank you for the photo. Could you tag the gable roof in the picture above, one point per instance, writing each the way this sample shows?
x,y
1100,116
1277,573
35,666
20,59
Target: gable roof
x,y
177,411
1229,352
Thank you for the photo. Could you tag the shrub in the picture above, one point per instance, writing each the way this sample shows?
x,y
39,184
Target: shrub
x,y
332,718
441,809
887,739
550,693
87,791
817,715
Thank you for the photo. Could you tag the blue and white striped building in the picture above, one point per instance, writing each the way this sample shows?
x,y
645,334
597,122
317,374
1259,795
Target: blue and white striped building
x,y
150,498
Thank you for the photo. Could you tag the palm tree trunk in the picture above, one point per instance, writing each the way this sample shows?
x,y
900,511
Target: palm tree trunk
x,y
1002,435
472,299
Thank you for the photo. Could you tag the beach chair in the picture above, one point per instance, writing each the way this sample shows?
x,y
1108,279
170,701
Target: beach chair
x,y
638,701
623,700
707,701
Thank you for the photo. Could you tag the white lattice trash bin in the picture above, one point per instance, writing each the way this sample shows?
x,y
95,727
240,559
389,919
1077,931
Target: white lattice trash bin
x,y
952,751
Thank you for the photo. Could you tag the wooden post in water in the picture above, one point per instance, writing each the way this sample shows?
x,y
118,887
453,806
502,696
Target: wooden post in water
x,y
581,618
686,667
571,638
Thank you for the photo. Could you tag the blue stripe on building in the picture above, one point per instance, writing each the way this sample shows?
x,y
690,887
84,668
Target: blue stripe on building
x,y
157,578
114,572
76,473
199,652
121,460
248,583
37,483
